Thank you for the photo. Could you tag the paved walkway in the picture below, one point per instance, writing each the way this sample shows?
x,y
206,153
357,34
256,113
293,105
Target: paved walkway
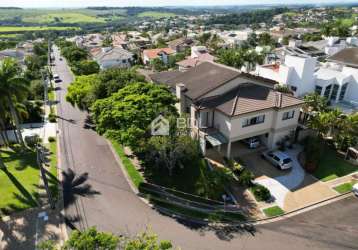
x,y
22,231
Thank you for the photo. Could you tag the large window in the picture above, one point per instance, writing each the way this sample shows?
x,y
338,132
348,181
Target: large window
x,y
327,91
318,90
253,121
343,91
334,92
288,115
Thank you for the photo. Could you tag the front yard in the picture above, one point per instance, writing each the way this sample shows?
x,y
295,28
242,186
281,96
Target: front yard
x,y
332,166
19,182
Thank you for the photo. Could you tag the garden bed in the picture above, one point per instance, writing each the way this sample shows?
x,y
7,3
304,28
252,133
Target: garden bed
x,y
273,211
345,187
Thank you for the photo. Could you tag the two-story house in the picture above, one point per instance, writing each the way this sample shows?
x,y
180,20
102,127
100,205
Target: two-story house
x,y
227,106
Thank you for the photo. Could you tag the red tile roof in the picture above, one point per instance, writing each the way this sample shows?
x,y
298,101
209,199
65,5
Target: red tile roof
x,y
153,53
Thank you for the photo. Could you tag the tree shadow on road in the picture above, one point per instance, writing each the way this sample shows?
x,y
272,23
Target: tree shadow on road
x,y
74,186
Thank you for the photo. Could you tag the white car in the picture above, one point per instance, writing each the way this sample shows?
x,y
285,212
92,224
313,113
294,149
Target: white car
x,y
278,159
252,142
355,189
56,76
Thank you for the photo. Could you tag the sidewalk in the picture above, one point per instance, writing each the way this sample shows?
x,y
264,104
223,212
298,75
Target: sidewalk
x,y
26,229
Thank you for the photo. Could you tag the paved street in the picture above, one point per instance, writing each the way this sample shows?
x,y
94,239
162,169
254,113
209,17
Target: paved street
x,y
110,204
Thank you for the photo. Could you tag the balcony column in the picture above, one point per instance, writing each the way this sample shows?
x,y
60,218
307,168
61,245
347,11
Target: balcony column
x,y
228,152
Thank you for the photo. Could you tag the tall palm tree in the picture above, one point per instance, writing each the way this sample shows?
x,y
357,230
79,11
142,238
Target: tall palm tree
x,y
14,87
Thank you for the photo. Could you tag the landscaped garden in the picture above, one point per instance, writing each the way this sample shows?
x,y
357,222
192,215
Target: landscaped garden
x,y
273,211
332,166
345,187
19,180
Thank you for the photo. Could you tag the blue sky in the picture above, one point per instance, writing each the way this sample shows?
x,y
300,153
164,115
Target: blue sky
x,y
84,3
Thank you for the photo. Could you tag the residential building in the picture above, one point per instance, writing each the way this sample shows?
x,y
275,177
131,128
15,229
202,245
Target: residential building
x,y
112,57
337,80
163,54
180,44
227,106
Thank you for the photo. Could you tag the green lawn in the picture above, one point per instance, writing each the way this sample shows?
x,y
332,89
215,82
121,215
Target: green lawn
x,y
273,211
332,166
155,14
345,187
33,28
19,183
133,173
63,17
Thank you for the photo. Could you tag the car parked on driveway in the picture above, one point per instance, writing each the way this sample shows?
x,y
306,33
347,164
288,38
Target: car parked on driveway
x,y
278,159
252,142
355,189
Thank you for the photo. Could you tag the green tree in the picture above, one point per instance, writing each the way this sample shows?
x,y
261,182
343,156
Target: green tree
x,y
126,115
91,239
85,67
85,90
315,103
14,87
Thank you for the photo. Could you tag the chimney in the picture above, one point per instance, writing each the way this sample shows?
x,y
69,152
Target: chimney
x,y
278,100
180,88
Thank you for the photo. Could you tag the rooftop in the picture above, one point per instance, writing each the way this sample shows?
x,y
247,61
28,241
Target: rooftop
x,y
348,56
247,98
153,53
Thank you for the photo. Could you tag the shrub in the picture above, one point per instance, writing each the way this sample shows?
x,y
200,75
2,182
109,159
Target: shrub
x,y
261,193
51,139
32,140
52,117
245,177
313,149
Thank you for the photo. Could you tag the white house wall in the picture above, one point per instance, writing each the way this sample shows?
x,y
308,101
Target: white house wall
x,y
352,90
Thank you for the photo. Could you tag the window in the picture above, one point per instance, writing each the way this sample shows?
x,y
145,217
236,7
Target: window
x,y
318,90
327,91
334,92
288,115
124,61
293,88
253,121
343,91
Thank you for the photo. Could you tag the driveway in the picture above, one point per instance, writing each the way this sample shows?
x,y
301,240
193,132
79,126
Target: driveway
x,y
291,189
279,182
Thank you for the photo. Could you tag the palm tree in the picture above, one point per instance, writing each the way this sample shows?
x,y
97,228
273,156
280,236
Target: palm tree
x,y
14,87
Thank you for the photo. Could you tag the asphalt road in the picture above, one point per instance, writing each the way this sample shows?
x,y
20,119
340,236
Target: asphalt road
x,y
112,206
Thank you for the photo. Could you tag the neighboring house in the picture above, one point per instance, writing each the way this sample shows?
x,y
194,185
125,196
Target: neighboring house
x,y
180,44
112,57
192,62
163,54
227,106
17,54
336,80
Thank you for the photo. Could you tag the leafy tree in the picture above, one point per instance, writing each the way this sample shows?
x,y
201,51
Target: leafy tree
x,y
175,150
145,240
315,103
85,67
91,239
107,42
265,39
13,87
158,64
126,115
85,90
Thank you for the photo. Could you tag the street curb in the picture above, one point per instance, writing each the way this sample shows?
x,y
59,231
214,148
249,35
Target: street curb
x,y
124,171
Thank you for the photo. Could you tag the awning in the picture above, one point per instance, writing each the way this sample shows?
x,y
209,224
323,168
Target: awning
x,y
216,138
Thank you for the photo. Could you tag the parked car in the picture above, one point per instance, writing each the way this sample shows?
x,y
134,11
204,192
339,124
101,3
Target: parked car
x,y
278,159
355,189
252,142
58,80
56,76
